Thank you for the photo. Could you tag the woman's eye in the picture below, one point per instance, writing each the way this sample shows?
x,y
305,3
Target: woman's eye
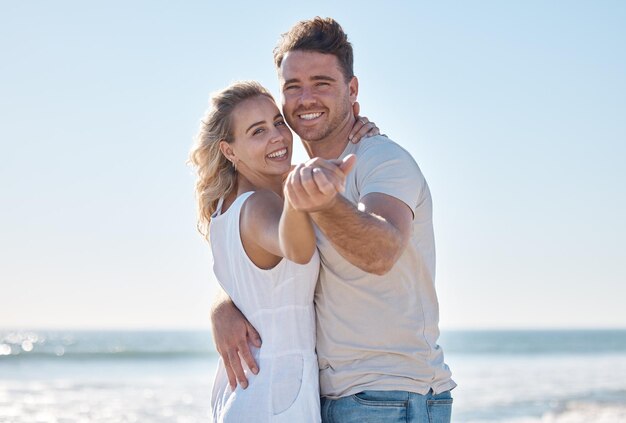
x,y
279,123
257,131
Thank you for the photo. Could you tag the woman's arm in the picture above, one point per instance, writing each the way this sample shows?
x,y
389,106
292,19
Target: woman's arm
x,y
272,229
295,234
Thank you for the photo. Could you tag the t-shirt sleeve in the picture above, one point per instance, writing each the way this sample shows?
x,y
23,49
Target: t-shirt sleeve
x,y
389,169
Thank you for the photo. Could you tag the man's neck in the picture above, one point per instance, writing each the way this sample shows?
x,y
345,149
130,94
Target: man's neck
x,y
332,146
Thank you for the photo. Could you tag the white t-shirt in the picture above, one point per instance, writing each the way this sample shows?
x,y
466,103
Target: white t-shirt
x,y
380,332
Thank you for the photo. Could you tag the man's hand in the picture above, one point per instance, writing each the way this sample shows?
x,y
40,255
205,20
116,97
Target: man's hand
x,y
232,334
313,186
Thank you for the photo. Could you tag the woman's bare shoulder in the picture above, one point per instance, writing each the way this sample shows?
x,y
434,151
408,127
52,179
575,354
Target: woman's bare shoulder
x,y
261,208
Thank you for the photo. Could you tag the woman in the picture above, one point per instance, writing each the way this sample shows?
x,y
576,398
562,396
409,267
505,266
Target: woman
x,y
264,252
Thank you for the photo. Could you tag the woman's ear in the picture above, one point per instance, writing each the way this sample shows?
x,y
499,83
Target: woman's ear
x,y
227,151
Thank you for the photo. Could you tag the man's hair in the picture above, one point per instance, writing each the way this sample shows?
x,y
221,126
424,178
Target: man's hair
x,y
320,35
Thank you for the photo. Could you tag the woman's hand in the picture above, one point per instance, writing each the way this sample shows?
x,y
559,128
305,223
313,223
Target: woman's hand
x,y
362,128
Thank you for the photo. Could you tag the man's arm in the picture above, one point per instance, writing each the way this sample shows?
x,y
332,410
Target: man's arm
x,y
231,333
373,236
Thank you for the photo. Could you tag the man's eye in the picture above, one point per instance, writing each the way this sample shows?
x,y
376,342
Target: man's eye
x,y
290,87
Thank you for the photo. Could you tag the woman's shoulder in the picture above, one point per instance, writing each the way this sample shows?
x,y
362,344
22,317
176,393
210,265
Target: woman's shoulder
x,y
260,205
261,198
231,201
258,222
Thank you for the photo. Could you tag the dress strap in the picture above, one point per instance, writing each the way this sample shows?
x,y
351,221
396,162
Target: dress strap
x,y
218,210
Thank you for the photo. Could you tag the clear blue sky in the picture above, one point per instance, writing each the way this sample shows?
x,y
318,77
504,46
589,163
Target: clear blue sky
x,y
515,111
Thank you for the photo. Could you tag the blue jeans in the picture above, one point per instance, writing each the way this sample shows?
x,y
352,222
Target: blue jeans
x,y
388,406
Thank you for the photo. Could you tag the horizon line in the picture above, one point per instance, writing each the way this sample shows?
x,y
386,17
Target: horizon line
x,y
208,330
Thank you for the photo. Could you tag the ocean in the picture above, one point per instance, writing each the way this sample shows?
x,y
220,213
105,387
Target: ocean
x,y
553,376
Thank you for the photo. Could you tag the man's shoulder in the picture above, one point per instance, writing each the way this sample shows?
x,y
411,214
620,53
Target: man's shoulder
x,y
377,141
379,144
380,149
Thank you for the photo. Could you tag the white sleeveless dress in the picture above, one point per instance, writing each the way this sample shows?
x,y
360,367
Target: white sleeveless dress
x,y
279,304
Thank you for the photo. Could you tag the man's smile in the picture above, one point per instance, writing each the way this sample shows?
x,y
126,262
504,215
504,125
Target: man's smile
x,y
310,116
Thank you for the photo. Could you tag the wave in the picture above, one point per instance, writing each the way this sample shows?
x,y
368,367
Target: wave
x,y
534,342
603,406
86,345
172,344
123,355
584,412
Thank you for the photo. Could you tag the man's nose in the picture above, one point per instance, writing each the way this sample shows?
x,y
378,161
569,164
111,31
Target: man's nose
x,y
307,96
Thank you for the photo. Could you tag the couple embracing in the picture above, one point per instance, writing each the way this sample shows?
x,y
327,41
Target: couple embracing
x,y
329,310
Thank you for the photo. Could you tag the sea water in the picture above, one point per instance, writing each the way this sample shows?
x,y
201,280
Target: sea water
x,y
538,376
151,376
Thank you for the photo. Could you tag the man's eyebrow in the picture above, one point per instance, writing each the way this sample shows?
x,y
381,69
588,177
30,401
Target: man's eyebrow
x,y
322,78
291,81
313,78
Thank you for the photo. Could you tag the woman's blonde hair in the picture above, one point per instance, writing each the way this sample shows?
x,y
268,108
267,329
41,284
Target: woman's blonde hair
x,y
217,176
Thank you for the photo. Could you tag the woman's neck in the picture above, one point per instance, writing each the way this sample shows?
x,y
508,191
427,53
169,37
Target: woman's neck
x,y
244,185
273,183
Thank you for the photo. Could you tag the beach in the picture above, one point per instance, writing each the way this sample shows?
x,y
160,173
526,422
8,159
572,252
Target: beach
x,y
166,376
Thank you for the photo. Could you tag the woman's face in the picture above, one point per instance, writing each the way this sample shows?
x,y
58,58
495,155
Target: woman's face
x,y
262,141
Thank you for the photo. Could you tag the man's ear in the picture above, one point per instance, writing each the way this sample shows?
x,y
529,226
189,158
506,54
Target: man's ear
x,y
227,151
353,87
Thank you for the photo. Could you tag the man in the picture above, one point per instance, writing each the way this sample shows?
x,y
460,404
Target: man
x,y
377,309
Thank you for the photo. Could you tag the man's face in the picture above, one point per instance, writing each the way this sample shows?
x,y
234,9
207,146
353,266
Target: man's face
x,y
317,102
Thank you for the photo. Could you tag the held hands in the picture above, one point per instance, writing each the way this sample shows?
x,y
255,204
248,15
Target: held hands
x,y
314,185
